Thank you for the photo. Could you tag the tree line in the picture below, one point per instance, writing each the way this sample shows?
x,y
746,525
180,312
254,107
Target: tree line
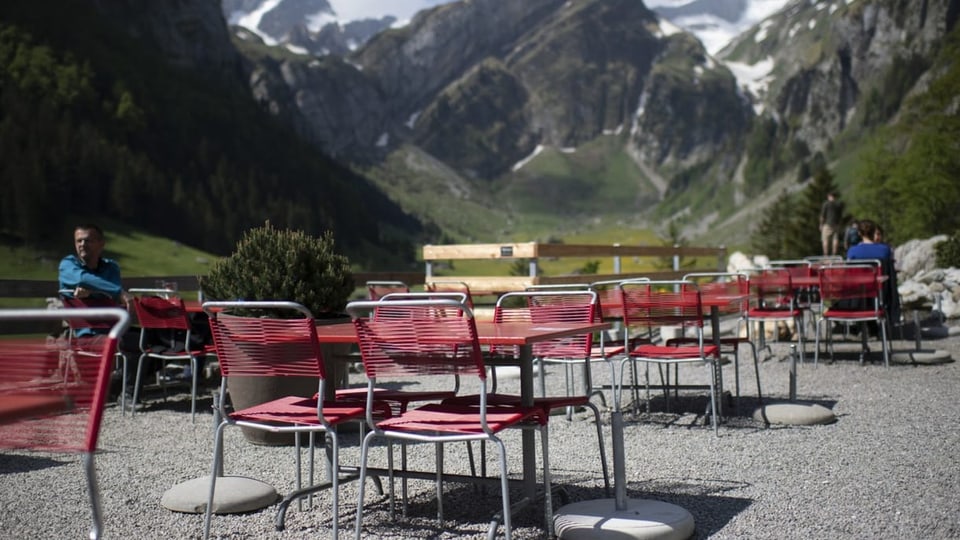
x,y
95,124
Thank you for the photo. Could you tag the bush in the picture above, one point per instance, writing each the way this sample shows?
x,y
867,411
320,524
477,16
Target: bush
x,y
274,264
948,252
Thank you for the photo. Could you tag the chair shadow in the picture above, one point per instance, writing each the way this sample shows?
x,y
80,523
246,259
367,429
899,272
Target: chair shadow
x,y
20,463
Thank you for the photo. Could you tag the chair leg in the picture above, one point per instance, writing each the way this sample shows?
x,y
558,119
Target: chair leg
x,y
438,448
93,489
713,398
364,450
504,489
335,482
603,453
136,385
193,389
547,483
215,471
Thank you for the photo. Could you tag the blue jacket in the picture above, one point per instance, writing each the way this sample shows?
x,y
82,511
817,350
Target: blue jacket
x,y
105,279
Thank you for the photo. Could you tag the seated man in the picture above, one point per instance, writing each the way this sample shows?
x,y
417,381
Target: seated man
x,y
90,275
868,248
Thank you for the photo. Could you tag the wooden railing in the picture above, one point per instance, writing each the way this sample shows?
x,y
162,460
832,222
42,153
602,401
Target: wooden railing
x,y
533,252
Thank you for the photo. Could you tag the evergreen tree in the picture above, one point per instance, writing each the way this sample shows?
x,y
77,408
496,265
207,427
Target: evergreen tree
x,y
770,235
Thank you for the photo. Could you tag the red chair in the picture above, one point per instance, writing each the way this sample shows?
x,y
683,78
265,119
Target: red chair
x,y
653,304
735,287
551,306
377,289
85,333
773,299
803,278
52,396
416,338
852,293
165,336
254,346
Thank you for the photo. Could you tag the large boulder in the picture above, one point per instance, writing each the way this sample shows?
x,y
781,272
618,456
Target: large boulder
x,y
916,256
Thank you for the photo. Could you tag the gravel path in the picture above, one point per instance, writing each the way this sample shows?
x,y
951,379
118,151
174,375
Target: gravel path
x,y
888,468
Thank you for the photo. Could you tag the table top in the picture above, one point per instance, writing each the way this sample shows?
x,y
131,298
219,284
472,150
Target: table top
x,y
488,333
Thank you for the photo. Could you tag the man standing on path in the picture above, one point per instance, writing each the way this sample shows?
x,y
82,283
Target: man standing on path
x,y
830,215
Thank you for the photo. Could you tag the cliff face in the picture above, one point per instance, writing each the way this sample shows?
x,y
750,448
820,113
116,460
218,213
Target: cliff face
x,y
190,33
833,60
479,84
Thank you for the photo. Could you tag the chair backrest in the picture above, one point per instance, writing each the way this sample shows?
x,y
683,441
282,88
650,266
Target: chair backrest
x,y
451,286
796,267
400,338
662,303
772,289
249,344
729,286
51,398
90,302
610,298
460,297
156,312
377,289
550,307
851,282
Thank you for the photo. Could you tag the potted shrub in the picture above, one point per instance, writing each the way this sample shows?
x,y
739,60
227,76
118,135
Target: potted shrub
x,y
282,264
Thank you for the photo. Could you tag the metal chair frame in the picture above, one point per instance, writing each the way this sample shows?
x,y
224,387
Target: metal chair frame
x,y
256,346
855,281
163,310
58,409
406,338
677,303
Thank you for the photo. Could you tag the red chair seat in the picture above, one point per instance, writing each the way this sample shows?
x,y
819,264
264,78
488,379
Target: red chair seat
x,y
760,313
674,353
462,419
866,314
298,410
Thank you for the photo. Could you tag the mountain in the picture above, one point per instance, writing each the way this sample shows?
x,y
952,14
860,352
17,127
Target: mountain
x,y
140,112
570,113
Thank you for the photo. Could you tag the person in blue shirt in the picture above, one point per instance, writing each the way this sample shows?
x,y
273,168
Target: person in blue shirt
x,y
89,273
871,246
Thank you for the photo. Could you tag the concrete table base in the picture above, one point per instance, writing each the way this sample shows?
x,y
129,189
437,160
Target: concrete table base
x,y
796,414
641,519
234,495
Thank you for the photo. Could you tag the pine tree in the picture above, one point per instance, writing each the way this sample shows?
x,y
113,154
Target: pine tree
x,y
770,235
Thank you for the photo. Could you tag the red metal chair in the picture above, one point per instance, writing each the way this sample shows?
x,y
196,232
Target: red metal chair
x,y
51,397
735,287
852,293
377,289
415,338
85,333
654,304
773,299
253,346
551,306
165,336
806,294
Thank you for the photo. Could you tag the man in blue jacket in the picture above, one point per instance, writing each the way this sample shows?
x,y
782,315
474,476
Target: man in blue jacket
x,y
89,273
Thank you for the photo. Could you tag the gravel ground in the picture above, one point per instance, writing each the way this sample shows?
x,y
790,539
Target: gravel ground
x,y
889,467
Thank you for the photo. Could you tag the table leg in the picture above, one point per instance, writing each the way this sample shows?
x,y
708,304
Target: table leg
x,y
528,436
718,369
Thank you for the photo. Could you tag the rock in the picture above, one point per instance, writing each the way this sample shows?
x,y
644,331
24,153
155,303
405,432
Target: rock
x,y
916,256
